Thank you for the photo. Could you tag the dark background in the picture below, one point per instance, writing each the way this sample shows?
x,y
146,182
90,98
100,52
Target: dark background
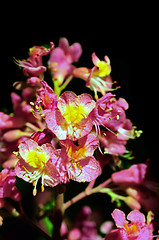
x,y
128,34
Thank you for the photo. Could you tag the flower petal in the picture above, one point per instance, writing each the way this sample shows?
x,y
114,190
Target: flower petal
x,y
119,218
136,217
85,170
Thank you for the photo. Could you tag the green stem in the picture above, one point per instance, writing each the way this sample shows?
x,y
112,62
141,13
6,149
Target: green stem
x,y
67,81
57,90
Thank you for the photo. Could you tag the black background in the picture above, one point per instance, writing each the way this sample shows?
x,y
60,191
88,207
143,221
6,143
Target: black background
x,y
128,34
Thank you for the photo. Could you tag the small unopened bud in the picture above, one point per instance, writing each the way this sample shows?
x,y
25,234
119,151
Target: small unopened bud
x,y
12,135
75,234
132,203
132,192
1,221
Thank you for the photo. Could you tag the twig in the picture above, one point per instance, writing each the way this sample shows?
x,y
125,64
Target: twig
x,y
88,191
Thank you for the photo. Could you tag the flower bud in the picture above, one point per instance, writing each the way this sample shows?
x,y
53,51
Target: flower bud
x,y
132,203
12,135
74,234
34,82
132,192
1,221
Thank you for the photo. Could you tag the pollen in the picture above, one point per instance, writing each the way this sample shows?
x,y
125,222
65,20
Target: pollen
x,y
103,69
74,114
132,229
77,153
37,159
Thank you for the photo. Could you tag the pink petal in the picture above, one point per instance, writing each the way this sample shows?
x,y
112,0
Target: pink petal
x,y
144,234
25,171
64,45
119,218
117,234
75,51
136,216
95,59
26,147
65,99
89,170
87,102
90,142
56,123
51,176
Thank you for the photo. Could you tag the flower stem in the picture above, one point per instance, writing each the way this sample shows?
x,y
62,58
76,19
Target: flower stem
x,y
57,89
67,81
88,191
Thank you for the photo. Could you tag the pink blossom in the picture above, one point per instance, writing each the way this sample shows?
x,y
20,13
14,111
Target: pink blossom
x,y
37,162
109,113
7,185
97,78
80,164
136,229
71,120
131,176
46,98
33,65
7,122
22,108
42,137
113,144
61,59
139,186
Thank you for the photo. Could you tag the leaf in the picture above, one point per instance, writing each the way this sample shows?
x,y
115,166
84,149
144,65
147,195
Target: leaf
x,y
49,225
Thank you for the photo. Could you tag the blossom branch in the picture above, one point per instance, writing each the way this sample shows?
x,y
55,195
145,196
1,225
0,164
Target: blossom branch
x,y
88,191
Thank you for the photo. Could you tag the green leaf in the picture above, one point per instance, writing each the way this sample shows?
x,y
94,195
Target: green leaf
x,y
49,225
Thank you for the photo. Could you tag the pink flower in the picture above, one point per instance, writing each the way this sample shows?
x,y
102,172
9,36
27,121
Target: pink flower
x,y
80,164
109,113
37,162
138,186
7,122
113,144
33,65
71,120
46,98
61,59
97,78
136,229
134,175
22,108
7,185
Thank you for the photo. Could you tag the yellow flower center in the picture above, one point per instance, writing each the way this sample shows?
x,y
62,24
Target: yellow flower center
x,y
37,159
76,154
132,229
74,114
103,69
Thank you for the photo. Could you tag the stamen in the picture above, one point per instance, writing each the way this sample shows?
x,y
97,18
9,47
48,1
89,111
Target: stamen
x,y
35,190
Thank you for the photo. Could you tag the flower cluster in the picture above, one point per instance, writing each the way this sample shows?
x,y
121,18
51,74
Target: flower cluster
x,y
55,137
137,228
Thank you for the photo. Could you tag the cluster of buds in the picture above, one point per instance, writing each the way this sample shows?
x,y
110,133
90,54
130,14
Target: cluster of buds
x,y
54,136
